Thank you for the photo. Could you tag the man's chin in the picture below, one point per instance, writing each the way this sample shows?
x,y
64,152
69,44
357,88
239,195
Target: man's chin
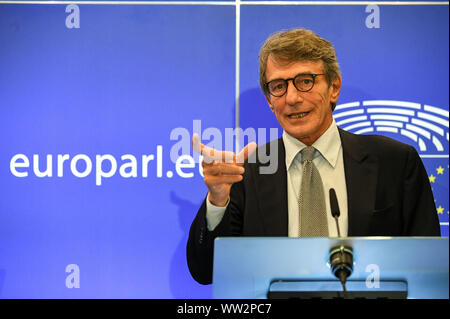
x,y
303,135
299,135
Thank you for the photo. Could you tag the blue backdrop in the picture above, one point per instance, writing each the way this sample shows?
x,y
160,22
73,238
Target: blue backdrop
x,y
107,84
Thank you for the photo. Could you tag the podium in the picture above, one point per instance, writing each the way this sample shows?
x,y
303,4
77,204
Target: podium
x,y
383,267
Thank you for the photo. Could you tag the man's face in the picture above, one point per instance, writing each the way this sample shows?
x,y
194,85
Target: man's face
x,y
313,106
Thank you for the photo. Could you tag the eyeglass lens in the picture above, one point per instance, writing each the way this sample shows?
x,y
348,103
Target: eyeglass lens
x,y
302,82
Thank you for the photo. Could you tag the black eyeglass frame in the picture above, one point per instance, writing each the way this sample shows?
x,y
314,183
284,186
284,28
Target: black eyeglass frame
x,y
314,75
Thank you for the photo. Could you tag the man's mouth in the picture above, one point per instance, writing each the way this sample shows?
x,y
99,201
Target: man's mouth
x,y
298,115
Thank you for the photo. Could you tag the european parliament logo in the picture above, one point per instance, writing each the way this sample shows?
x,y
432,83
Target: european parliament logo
x,y
423,126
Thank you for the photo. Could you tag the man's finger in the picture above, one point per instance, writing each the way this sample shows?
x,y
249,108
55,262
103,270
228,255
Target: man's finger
x,y
210,154
247,151
212,180
196,143
223,169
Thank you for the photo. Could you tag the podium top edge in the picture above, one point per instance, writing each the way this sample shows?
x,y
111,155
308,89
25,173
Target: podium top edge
x,y
371,238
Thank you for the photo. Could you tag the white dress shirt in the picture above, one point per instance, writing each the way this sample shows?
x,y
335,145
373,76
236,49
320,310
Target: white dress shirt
x,y
329,161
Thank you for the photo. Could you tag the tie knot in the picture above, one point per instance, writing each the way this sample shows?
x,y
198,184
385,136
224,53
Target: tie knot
x,y
308,153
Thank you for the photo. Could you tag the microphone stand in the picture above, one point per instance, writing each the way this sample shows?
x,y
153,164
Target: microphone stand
x,y
341,258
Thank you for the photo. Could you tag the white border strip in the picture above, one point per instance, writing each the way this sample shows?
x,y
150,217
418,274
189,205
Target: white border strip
x,y
233,3
147,3
337,3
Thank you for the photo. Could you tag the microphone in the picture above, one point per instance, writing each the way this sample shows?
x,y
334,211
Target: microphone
x,y
335,212
341,257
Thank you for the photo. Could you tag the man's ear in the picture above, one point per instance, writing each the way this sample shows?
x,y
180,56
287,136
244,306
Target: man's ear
x,y
270,103
335,89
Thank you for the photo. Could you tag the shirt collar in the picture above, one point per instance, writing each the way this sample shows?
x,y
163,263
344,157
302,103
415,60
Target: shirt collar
x,y
328,145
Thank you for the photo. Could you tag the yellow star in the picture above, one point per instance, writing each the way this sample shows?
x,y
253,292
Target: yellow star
x,y
440,210
440,170
432,178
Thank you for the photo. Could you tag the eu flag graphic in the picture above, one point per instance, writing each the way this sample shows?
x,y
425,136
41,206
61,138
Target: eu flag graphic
x,y
437,170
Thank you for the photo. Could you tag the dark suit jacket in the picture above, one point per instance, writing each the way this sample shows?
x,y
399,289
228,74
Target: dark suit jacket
x,y
388,194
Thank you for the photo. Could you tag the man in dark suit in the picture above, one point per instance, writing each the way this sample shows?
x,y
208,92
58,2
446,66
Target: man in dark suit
x,y
382,186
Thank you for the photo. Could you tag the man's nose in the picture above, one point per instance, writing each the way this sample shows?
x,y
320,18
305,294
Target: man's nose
x,y
293,96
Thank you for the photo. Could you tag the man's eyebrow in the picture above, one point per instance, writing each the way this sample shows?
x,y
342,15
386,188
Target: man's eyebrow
x,y
301,73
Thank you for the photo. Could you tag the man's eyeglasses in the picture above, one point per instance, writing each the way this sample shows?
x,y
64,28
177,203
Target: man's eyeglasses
x,y
302,82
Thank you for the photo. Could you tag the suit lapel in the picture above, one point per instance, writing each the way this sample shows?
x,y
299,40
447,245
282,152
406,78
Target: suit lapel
x,y
271,190
361,170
